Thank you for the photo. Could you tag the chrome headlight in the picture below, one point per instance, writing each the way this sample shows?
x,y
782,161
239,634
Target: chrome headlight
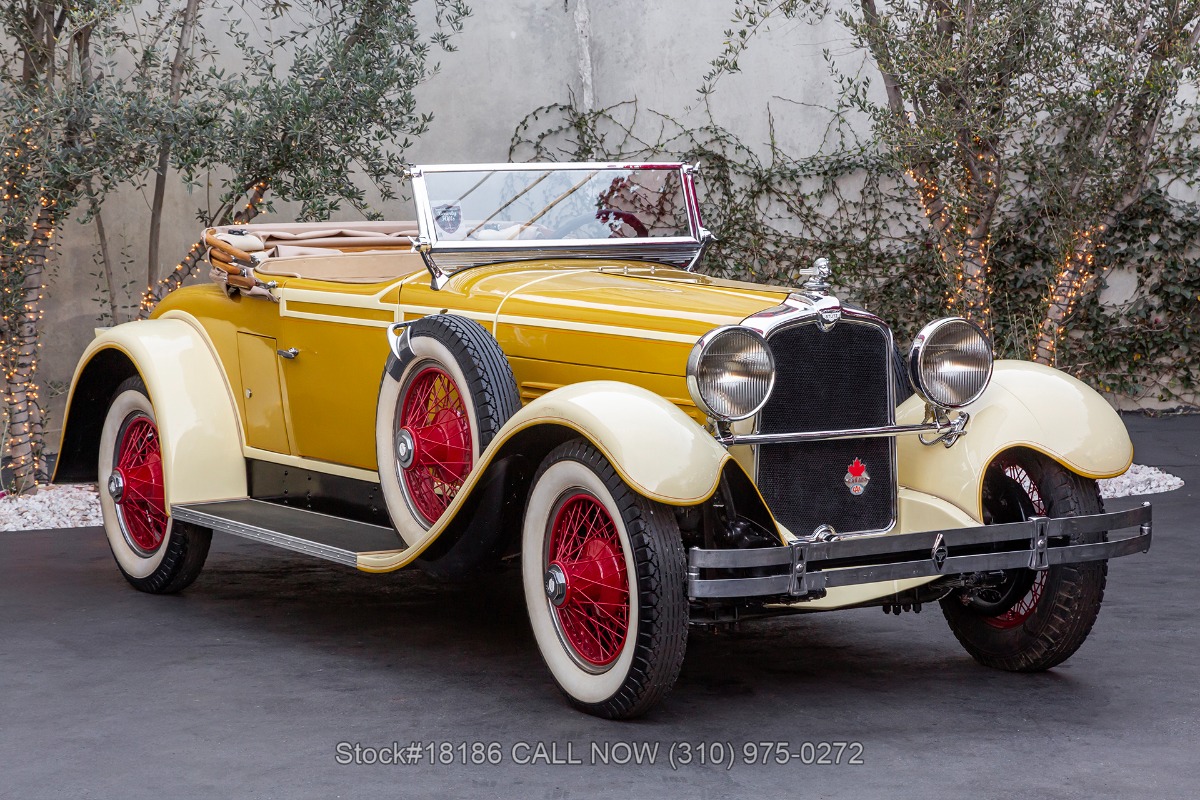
x,y
950,362
730,373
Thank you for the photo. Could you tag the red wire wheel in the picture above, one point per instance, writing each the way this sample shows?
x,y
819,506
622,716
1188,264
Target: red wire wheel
x,y
1032,620
137,477
591,602
437,428
1023,609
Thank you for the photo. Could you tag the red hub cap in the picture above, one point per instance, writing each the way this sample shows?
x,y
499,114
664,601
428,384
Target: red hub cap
x,y
434,442
136,485
586,580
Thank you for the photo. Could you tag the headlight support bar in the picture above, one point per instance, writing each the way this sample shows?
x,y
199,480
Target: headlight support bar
x,y
945,430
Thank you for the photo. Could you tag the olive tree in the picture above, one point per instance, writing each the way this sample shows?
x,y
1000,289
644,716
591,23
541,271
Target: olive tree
x,y
96,94
340,114
72,123
985,104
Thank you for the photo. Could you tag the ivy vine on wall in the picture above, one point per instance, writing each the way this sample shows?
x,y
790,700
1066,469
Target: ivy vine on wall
x,y
775,212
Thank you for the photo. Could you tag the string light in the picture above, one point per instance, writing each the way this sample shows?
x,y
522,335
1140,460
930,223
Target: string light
x,y
26,246
971,292
187,266
1076,270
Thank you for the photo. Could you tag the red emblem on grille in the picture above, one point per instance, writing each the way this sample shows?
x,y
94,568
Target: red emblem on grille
x,y
857,478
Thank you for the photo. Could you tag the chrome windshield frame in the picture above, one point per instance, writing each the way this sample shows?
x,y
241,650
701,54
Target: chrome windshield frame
x,y
444,259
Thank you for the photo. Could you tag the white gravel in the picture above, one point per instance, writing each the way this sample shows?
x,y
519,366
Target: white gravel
x,y
77,505
1139,480
66,506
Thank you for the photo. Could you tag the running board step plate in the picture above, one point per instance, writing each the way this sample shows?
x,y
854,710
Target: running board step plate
x,y
308,532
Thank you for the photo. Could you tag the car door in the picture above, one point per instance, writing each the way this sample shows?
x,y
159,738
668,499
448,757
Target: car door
x,y
332,349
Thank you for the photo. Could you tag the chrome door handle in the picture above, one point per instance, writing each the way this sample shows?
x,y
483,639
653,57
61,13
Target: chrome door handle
x,y
290,353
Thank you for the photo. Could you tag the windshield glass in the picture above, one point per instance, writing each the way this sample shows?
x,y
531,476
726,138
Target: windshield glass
x,y
518,205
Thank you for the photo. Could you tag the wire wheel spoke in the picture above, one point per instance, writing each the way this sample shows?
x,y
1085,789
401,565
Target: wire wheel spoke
x,y
1024,607
435,416
593,618
141,507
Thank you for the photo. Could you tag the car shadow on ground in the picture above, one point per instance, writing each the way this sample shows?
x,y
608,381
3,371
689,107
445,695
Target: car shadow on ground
x,y
409,627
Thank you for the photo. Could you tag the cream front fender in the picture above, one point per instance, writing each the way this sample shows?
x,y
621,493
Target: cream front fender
x,y
659,451
193,407
1026,405
656,448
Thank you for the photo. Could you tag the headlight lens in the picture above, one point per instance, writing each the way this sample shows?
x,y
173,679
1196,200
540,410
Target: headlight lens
x,y
950,362
731,372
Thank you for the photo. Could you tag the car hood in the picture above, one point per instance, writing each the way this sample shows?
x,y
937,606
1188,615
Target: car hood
x,y
625,316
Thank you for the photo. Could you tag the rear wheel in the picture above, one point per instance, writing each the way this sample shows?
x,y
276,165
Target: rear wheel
x,y
604,575
154,552
1032,620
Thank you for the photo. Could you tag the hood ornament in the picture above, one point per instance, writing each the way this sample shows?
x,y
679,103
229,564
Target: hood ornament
x,y
817,284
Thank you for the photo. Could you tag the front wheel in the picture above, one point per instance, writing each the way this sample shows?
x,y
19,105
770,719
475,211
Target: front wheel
x,y
604,574
155,553
1031,621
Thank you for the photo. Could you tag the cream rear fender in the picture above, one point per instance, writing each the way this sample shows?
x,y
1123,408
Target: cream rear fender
x,y
1025,405
193,407
660,452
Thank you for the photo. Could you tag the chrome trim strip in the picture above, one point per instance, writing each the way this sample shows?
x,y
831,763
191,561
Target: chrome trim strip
x,y
804,578
295,544
800,307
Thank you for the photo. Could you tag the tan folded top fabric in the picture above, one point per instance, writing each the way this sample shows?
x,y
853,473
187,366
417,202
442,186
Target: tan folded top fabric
x,y
313,249
330,234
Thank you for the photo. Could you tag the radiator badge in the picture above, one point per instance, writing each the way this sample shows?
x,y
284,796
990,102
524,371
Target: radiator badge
x,y
857,478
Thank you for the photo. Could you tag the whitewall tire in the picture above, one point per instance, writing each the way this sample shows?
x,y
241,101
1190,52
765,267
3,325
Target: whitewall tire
x,y
155,553
604,576
440,405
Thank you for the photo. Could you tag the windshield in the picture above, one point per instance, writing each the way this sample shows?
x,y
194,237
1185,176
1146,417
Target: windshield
x,y
469,215
516,205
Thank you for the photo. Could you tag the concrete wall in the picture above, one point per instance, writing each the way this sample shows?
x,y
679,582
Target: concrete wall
x,y
513,56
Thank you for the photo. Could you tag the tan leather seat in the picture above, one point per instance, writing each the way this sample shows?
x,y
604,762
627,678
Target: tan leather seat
x,y
369,267
339,252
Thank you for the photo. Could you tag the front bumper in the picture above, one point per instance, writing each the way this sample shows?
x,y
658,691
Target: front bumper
x,y
807,569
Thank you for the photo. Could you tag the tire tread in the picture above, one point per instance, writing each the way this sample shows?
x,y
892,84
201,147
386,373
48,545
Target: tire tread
x,y
495,393
1074,592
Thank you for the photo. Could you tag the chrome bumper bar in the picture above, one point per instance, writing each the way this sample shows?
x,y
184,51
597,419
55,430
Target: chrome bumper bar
x,y
809,568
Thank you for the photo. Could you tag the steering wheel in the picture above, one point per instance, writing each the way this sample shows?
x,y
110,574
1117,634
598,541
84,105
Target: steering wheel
x,y
604,215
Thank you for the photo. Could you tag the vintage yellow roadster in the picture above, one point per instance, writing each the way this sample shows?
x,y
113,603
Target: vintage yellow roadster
x,y
533,366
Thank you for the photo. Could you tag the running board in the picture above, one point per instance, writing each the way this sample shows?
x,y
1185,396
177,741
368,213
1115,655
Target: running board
x,y
309,532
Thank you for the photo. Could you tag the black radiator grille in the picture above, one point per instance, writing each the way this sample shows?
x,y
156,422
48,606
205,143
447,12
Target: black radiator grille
x,y
829,380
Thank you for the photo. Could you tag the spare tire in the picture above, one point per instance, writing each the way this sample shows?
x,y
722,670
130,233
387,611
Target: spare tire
x,y
441,402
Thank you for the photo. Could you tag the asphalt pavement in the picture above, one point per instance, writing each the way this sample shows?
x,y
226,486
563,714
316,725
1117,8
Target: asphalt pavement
x,y
265,675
